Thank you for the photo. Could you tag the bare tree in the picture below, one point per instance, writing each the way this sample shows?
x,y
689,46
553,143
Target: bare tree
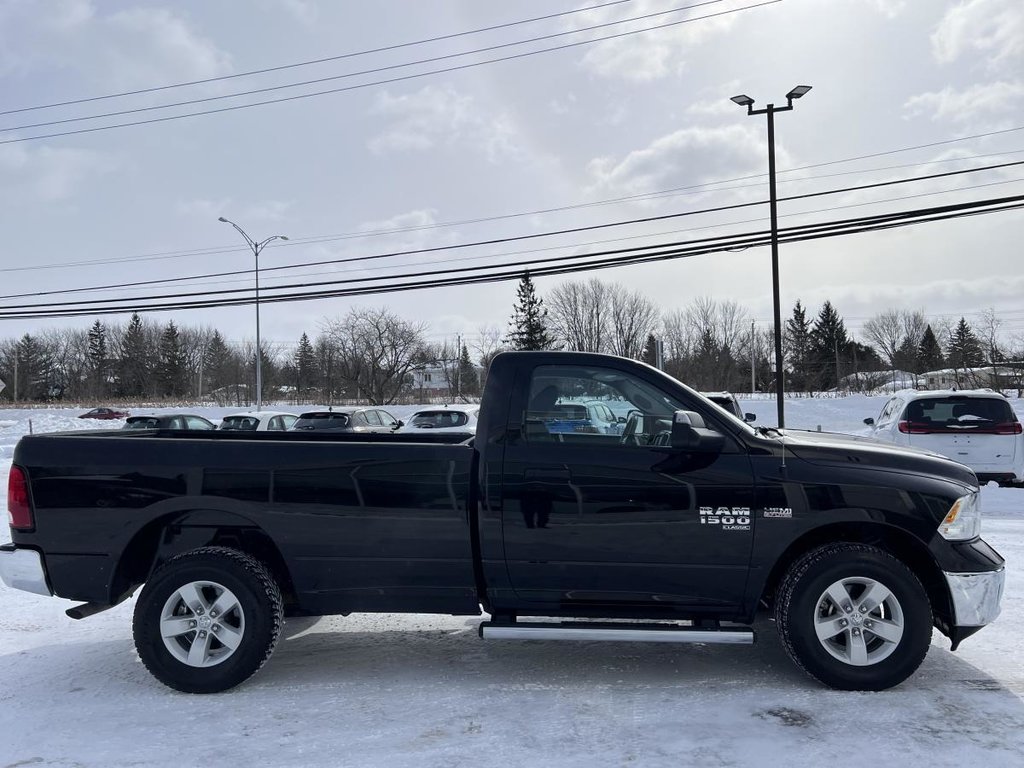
x,y
579,315
886,331
377,350
989,325
633,317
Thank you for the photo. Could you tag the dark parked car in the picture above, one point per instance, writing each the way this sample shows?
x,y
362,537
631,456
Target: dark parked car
x,y
104,413
728,401
168,421
359,420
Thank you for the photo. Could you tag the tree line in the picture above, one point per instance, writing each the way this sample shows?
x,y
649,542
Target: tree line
x,y
371,354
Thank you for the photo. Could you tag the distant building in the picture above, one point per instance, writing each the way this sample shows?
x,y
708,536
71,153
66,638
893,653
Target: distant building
x,y
430,383
1003,376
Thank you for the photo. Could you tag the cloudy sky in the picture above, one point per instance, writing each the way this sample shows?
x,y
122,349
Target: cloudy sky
x,y
432,160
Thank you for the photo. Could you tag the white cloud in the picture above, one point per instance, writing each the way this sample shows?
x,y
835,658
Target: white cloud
x,y
993,28
130,48
968,104
267,211
689,155
46,174
441,116
651,55
410,220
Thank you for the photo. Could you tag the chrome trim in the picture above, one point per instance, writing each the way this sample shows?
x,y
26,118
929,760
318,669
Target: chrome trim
x,y
23,569
563,632
976,596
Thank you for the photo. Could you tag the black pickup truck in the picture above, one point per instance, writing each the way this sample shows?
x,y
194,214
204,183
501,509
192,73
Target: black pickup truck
x,y
678,525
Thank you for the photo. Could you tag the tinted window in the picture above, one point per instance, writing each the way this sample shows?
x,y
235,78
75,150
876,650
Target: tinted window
x,y
142,422
439,419
322,420
197,422
245,423
959,411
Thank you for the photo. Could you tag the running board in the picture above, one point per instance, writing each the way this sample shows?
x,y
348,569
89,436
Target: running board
x,y
627,633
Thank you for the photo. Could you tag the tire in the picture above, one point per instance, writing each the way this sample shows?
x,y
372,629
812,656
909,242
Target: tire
x,y
820,619
207,620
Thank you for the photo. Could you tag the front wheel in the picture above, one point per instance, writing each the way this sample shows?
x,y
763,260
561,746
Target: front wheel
x,y
207,620
854,617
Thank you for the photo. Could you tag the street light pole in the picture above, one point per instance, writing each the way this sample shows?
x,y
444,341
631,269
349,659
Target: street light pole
x,y
256,247
770,110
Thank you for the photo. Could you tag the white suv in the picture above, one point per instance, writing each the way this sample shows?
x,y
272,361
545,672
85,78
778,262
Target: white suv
x,y
975,427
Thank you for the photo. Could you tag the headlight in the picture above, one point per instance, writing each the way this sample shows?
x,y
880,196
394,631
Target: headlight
x,y
963,521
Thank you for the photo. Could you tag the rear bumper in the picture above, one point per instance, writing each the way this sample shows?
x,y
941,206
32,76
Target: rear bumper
x,y
976,597
23,569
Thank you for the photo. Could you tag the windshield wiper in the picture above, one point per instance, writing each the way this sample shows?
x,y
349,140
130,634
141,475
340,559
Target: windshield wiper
x,y
762,430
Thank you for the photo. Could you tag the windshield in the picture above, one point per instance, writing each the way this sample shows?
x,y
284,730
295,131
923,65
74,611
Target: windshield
x,y
439,419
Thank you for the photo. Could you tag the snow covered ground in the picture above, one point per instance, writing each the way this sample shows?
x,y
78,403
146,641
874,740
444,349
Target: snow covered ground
x,y
371,690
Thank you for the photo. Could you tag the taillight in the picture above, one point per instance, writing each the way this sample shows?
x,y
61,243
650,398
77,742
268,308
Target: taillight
x,y
911,428
19,513
1008,428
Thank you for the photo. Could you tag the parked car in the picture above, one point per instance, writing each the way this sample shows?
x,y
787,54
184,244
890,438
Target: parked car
x,y
258,421
169,421
447,419
975,427
104,413
689,523
728,401
359,420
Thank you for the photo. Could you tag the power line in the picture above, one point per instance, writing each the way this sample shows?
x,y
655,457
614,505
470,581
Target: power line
x,y
666,192
310,62
557,265
401,78
531,236
331,78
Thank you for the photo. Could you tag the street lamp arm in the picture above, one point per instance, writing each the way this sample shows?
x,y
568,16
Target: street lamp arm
x,y
270,239
249,240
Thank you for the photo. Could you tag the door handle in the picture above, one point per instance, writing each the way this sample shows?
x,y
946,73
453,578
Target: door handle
x,y
548,474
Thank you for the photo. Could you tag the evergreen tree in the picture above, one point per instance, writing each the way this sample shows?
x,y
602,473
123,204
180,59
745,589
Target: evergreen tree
x,y
964,348
828,340
528,327
305,366
218,364
469,382
134,367
798,338
906,357
33,369
170,368
650,353
99,360
929,353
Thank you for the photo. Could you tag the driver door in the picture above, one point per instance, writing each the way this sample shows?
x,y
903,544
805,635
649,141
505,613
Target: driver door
x,y
615,519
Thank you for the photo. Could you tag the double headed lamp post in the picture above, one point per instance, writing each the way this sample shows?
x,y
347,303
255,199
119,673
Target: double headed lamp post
x,y
770,110
256,247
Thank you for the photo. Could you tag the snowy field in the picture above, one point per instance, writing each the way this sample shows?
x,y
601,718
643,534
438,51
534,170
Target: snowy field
x,y
371,690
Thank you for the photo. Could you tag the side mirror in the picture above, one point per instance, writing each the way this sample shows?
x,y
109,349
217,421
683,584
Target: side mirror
x,y
400,424
621,420
869,421
690,434
749,417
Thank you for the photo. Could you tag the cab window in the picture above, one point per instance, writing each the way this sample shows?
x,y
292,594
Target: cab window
x,y
556,410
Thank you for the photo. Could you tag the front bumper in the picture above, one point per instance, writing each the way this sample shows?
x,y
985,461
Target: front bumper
x,y
23,569
976,596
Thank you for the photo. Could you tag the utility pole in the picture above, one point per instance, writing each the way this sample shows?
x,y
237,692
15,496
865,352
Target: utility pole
x,y
752,385
770,110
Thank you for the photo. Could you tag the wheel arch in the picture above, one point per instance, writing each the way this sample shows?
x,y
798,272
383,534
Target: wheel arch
x,y
174,533
897,542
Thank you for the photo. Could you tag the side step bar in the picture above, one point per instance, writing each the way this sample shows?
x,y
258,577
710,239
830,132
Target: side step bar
x,y
628,633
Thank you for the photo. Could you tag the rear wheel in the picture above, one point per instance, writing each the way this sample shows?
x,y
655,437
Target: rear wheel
x,y
854,617
207,620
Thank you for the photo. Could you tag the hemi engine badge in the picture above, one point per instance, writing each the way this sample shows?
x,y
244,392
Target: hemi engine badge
x,y
777,512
